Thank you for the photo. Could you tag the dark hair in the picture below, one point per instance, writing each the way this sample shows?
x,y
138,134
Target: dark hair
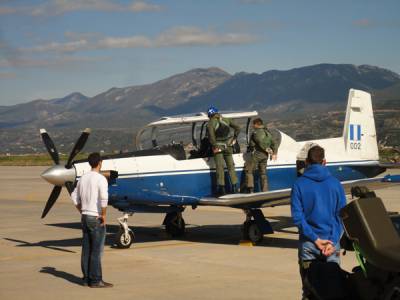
x,y
316,155
94,159
258,121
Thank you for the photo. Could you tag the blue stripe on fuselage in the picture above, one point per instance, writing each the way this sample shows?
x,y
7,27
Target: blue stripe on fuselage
x,y
159,188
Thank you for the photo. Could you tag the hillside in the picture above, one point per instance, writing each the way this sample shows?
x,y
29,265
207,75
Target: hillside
x,y
287,99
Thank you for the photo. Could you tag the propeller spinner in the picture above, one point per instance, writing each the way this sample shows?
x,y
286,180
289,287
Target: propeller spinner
x,y
59,175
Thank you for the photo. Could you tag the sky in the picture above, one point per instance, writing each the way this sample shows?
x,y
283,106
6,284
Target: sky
x,y
51,48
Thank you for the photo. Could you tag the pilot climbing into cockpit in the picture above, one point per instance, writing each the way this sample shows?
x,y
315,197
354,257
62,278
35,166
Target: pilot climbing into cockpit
x,y
222,142
262,146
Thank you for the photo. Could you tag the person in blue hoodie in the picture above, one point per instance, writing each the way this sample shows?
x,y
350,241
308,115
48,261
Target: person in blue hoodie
x,y
316,200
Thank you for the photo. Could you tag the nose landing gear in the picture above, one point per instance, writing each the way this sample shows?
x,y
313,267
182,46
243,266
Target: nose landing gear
x,y
124,237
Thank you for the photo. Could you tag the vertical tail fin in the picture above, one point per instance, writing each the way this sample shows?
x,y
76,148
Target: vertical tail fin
x,y
359,131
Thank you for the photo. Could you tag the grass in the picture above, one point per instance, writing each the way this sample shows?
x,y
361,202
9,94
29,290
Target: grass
x,y
389,155
33,159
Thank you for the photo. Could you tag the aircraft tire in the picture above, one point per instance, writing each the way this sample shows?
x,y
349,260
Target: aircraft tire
x,y
122,240
174,225
252,233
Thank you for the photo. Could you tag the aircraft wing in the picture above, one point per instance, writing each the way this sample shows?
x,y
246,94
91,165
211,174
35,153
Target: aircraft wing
x,y
254,200
282,197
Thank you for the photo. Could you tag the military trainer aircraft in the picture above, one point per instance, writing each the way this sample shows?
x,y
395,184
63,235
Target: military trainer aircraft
x,y
167,174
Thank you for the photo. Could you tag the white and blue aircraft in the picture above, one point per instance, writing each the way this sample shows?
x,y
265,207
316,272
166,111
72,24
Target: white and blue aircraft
x,y
168,177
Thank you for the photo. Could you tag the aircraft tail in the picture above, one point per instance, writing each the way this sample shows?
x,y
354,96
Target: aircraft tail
x,y
359,131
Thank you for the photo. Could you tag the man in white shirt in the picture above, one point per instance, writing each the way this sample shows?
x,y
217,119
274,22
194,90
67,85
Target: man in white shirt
x,y
91,198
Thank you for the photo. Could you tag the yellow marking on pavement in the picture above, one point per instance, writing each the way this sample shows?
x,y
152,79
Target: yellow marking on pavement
x,y
246,243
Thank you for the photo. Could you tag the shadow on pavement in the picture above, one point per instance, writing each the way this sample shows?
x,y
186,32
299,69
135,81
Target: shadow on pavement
x,y
61,274
52,244
214,234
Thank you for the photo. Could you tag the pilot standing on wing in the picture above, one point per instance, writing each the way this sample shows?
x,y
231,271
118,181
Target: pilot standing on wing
x,y
91,198
221,140
317,197
262,145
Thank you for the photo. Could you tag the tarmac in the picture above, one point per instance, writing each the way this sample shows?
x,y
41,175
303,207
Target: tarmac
x,y
40,259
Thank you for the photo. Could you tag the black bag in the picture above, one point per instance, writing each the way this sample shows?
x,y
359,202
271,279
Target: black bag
x,y
326,281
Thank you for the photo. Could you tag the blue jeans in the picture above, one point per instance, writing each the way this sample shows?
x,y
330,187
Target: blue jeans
x,y
92,248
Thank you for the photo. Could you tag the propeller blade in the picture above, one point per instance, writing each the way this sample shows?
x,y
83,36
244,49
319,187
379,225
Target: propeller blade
x,y
50,146
80,143
70,187
52,199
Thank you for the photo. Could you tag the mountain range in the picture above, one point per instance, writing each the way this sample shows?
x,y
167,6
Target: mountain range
x,y
274,93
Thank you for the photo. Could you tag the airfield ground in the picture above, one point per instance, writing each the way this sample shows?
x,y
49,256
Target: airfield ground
x,y
40,259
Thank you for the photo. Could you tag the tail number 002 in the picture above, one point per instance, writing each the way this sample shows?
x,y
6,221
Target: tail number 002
x,y
356,146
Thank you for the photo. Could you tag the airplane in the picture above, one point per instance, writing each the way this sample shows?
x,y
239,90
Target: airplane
x,y
165,175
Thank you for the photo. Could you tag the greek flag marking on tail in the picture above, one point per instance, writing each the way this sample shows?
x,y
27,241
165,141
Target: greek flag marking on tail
x,y
353,136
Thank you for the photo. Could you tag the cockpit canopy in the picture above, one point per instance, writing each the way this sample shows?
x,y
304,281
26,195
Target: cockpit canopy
x,y
184,136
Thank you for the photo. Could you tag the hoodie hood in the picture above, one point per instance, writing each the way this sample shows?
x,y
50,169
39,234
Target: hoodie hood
x,y
317,172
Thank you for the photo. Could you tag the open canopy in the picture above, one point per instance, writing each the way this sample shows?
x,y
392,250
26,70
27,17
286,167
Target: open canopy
x,y
186,123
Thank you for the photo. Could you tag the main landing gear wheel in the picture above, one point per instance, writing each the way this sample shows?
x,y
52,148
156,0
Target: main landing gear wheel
x,y
252,232
124,239
175,224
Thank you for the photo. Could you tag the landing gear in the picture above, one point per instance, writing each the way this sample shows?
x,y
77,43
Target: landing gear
x,y
124,237
255,226
174,224
252,233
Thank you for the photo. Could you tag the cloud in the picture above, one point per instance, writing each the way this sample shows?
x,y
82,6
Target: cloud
x,y
7,75
59,7
363,23
255,1
140,6
49,62
193,36
73,46
175,37
7,10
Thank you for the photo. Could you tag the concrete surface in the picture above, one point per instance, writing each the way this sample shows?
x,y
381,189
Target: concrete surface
x,y
40,259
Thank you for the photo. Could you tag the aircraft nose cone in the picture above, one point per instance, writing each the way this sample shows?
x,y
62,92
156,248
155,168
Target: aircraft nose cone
x,y
58,175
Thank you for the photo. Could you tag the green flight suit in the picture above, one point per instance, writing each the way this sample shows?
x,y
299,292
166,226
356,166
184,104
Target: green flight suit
x,y
261,139
220,137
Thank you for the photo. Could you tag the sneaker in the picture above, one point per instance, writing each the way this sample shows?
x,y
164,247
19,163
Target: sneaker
x,y
101,284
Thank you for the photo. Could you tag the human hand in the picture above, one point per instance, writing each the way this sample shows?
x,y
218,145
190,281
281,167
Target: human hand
x,y
321,244
329,250
274,157
102,219
216,150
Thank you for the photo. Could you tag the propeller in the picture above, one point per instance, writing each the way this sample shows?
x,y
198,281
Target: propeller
x,y
50,146
59,175
80,143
